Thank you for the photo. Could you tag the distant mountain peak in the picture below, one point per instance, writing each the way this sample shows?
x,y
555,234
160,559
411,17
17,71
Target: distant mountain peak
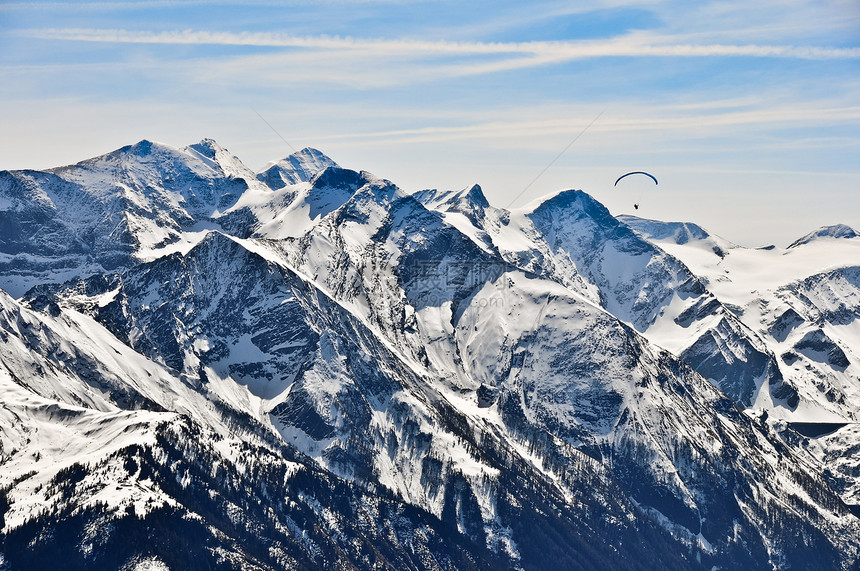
x,y
340,178
142,148
301,166
207,147
476,195
833,231
314,154
678,232
453,199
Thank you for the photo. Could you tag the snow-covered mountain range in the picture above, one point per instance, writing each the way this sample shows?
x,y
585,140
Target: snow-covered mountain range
x,y
307,367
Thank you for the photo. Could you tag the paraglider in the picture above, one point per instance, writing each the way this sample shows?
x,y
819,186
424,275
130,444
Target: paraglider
x,y
651,176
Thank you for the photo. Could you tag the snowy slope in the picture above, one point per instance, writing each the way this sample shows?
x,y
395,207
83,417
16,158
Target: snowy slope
x,y
804,302
345,409
90,472
801,301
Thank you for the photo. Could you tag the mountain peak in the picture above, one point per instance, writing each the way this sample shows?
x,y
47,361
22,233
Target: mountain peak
x,y
207,148
577,200
340,178
561,198
142,148
475,194
312,154
833,231
453,199
300,166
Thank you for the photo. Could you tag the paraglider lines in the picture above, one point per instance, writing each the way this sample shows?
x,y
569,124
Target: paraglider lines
x,y
273,129
552,162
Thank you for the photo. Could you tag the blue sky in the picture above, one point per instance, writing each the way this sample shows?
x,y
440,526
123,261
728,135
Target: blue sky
x,y
748,113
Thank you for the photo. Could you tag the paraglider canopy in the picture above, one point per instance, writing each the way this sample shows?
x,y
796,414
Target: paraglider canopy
x,y
636,172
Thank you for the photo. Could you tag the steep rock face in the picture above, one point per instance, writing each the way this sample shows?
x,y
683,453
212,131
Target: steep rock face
x,y
635,279
188,480
42,237
833,297
818,337
39,352
470,202
595,392
219,311
738,366
820,346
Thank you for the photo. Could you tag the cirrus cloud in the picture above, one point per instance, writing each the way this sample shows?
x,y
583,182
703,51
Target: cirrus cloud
x,y
630,45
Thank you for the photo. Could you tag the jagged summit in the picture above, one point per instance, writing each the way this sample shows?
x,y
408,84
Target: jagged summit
x,y
469,202
439,199
300,166
110,211
835,231
312,155
476,195
207,147
148,158
142,147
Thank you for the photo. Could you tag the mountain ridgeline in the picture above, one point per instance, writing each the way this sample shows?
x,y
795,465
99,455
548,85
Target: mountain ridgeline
x,y
306,367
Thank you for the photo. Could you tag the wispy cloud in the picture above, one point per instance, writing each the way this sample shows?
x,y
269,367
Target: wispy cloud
x,y
530,53
624,121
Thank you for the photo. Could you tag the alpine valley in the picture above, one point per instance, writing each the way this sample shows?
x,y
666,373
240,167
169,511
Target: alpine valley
x,y
204,367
